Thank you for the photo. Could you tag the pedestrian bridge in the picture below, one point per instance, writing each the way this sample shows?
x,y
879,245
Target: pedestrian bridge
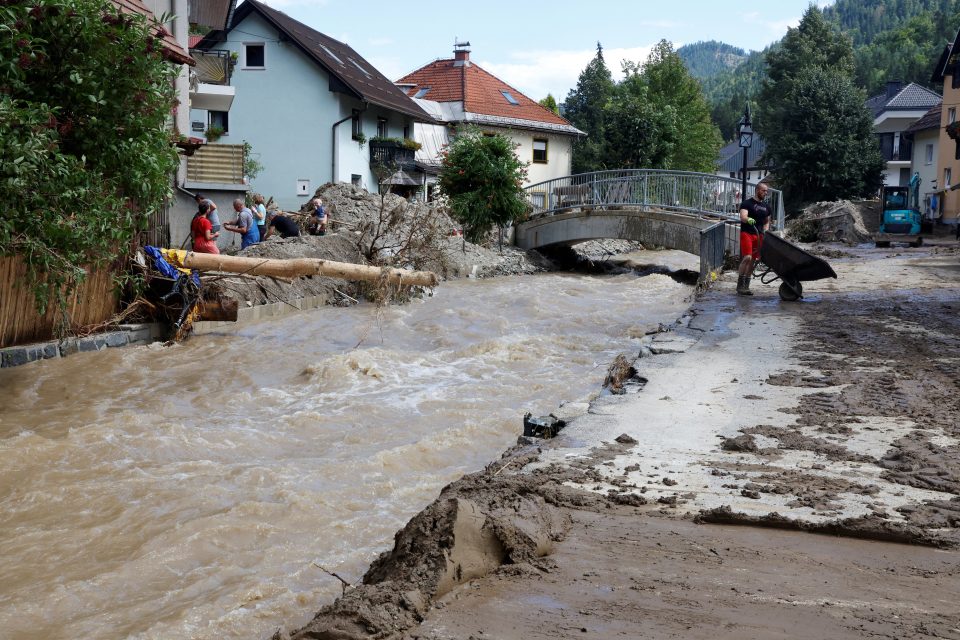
x,y
693,212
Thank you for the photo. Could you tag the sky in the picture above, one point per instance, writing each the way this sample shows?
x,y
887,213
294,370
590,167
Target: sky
x,y
538,46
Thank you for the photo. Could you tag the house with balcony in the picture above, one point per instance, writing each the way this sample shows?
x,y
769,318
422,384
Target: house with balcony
x,y
894,111
455,91
311,107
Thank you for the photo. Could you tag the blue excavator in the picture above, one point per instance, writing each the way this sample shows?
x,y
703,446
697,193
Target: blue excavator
x,y
900,220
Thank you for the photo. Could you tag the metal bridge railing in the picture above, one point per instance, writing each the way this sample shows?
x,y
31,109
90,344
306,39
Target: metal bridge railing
x,y
701,194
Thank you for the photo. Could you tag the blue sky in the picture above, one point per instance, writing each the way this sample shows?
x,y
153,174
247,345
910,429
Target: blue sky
x,y
538,46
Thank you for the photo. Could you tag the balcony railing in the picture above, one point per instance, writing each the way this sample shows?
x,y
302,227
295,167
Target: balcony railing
x,y
213,67
903,153
391,154
216,164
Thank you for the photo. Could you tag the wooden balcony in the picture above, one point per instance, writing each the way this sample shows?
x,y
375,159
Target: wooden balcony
x,y
216,164
391,154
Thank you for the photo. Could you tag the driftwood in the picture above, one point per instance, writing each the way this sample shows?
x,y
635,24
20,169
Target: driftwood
x,y
296,267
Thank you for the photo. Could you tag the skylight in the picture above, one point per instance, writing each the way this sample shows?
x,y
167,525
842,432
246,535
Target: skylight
x,y
509,96
357,65
422,92
330,53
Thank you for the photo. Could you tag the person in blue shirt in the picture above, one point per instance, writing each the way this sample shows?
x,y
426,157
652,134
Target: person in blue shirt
x,y
244,225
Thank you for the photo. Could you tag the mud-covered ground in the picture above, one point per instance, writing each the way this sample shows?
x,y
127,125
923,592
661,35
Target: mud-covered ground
x,y
783,470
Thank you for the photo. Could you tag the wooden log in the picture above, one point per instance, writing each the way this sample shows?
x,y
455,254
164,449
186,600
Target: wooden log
x,y
295,267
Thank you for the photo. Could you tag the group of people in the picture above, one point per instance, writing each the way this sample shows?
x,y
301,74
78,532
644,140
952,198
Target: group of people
x,y
252,225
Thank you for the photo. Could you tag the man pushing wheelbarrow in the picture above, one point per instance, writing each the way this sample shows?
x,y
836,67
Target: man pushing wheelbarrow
x,y
754,222
778,259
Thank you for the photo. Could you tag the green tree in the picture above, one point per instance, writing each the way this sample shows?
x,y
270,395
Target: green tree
x,y
584,108
85,150
550,103
659,118
483,178
819,134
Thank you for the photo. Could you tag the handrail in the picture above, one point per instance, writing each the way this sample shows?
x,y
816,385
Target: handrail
x,y
702,194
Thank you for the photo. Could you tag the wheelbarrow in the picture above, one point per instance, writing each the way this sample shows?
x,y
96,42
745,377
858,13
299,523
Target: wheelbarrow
x,y
785,261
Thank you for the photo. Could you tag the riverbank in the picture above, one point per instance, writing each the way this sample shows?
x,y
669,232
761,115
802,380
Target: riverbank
x,y
837,414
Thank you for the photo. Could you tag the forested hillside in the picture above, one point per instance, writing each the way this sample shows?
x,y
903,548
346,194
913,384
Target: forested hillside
x,y
892,40
707,59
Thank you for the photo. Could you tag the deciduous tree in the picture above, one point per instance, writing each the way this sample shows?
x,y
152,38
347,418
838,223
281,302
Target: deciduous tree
x,y
819,134
483,179
85,149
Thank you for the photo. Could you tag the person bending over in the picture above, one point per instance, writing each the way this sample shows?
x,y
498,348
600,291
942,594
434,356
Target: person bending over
x,y
283,225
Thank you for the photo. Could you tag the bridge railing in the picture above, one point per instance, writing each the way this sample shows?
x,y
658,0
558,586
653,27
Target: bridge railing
x,y
701,194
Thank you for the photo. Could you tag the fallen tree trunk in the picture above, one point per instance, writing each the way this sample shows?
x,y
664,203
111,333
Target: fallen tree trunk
x,y
295,267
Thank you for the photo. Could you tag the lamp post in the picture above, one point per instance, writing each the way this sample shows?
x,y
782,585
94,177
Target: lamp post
x,y
745,139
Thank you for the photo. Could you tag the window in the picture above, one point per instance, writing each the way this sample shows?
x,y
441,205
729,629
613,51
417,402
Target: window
x,y
929,154
951,115
254,56
382,128
540,150
509,97
357,65
947,178
219,119
356,126
421,92
356,180
406,133
331,53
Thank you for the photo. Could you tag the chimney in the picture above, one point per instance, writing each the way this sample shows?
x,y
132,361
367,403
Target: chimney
x,y
893,88
461,54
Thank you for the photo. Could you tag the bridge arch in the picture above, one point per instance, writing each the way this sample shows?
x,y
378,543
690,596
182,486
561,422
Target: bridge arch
x,y
693,212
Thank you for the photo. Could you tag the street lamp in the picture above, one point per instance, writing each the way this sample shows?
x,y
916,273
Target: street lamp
x,y
745,134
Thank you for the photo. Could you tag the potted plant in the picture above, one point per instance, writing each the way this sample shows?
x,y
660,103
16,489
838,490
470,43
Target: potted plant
x,y
213,133
953,130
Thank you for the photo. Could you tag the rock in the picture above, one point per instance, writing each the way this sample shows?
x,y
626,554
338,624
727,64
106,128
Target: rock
x,y
625,439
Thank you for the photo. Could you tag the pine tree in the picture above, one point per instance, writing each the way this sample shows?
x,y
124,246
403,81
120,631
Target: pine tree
x,y
584,109
550,103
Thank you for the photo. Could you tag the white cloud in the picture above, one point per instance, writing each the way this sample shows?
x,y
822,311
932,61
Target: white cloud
x,y
537,73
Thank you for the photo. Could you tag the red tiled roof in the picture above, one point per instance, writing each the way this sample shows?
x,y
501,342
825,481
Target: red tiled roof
x,y
193,41
479,91
172,50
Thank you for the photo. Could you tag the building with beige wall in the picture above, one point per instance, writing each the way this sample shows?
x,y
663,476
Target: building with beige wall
x,y
947,72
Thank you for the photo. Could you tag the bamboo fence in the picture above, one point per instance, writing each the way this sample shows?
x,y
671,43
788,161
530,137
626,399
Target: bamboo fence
x,y
90,303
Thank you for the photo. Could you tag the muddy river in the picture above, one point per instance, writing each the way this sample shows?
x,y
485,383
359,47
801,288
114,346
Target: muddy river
x,y
191,491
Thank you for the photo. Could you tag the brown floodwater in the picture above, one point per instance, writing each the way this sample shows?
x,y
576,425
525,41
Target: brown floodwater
x,y
189,491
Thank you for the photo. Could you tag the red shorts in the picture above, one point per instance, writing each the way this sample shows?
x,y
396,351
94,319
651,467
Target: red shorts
x,y
750,245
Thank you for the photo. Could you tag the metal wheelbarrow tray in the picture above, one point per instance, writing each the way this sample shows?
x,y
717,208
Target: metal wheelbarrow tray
x,y
791,264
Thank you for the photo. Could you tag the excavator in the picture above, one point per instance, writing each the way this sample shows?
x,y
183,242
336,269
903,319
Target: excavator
x,y
900,220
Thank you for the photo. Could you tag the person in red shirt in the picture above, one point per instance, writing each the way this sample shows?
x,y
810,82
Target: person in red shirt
x,y
204,237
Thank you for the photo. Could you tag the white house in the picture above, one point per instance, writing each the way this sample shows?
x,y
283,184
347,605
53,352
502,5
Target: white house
x,y
311,107
456,91
894,111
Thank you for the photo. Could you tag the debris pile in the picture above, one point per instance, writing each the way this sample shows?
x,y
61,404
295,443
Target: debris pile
x,y
840,221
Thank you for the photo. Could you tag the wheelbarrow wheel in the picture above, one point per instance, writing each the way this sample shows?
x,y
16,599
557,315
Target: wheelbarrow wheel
x,y
791,292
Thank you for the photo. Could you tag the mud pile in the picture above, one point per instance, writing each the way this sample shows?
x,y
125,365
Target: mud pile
x,y
349,208
490,521
841,221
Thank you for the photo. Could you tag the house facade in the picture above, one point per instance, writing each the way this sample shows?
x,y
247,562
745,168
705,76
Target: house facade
x,y
924,136
307,104
947,72
894,112
456,92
